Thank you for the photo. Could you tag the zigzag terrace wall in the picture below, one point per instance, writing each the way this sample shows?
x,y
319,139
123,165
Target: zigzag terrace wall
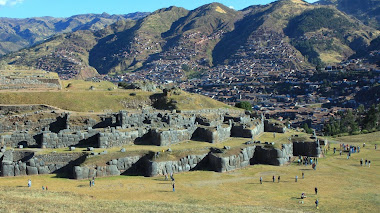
x,y
18,163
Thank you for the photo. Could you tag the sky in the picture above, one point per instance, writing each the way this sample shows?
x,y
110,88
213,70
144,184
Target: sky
x,y
66,8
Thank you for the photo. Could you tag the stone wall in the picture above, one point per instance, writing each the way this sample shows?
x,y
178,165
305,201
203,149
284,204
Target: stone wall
x,y
220,163
273,127
273,156
118,138
16,163
310,149
171,136
19,138
125,165
185,164
216,134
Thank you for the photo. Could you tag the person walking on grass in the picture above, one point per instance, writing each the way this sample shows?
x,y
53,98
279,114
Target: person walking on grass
x,y
29,183
361,162
369,163
316,203
90,183
261,180
316,190
278,178
273,178
296,179
173,184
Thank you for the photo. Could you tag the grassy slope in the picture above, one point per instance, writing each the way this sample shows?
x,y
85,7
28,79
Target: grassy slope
x,y
343,186
79,98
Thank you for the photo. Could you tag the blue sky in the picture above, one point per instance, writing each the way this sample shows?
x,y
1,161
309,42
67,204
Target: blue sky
x,y
66,8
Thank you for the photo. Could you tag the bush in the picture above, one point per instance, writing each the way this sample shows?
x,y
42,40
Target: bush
x,y
132,94
244,105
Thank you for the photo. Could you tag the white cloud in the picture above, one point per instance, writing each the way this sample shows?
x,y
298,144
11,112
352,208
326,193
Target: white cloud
x,y
232,7
10,2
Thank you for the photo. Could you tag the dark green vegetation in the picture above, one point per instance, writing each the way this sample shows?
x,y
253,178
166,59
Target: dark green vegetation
x,y
367,11
355,122
210,35
244,105
16,34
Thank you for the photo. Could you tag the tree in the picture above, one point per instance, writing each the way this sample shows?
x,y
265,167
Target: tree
x,y
244,105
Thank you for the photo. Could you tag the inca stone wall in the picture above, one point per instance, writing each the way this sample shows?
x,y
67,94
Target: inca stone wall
x,y
310,149
221,163
273,156
118,138
273,127
171,136
114,167
16,163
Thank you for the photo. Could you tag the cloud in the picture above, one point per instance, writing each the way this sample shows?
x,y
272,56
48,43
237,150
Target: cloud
x,y
232,7
10,2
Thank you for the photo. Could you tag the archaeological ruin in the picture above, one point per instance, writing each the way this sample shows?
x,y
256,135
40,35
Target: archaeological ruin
x,y
27,130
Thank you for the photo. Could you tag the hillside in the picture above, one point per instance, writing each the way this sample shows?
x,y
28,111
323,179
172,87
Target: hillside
x,y
174,43
367,11
16,34
85,96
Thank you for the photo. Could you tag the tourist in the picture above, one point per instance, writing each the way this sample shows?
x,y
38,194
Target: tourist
x,y
43,188
366,162
46,188
303,175
273,178
90,183
173,187
29,183
340,152
303,195
296,179
334,150
316,190
375,146
361,162
278,178
261,180
316,203
369,163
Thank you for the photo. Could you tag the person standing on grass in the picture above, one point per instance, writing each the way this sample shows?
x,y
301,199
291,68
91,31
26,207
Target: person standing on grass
x,y
173,186
279,178
361,162
316,203
369,163
303,175
316,190
296,179
366,162
375,146
273,178
46,188
29,183
261,180
90,183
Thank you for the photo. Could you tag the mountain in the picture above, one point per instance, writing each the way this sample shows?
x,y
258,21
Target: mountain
x,y
170,42
16,34
367,11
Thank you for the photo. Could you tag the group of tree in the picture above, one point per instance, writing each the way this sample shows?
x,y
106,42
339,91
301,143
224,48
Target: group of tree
x,y
354,122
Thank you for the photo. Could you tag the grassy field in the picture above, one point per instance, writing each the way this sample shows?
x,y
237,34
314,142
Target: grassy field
x,y
104,96
343,186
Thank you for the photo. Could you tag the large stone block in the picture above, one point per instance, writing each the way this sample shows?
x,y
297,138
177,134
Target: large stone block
x,y
30,170
8,170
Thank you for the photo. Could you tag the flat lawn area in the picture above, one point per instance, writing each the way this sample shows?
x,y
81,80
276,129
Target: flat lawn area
x,y
343,186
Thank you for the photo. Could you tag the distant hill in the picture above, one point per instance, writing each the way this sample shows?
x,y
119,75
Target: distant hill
x,y
367,11
16,34
286,34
